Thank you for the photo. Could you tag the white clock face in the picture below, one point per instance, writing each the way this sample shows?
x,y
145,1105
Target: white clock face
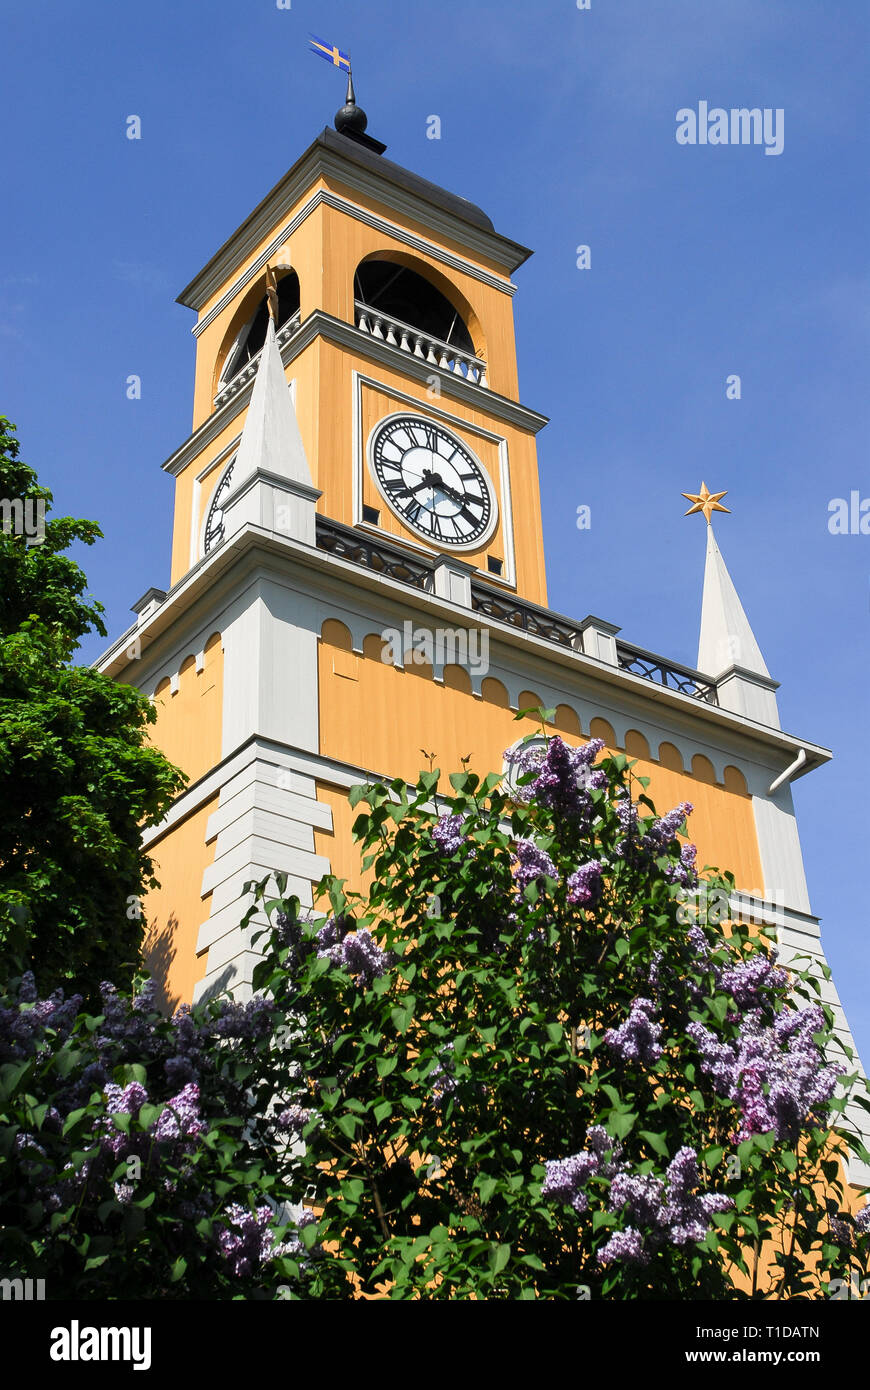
x,y
214,526
432,481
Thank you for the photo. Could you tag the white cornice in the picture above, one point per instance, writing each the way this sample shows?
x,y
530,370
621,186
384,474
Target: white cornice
x,y
318,161
253,545
346,335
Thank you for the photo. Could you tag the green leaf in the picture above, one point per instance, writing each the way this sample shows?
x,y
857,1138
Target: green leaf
x,y
348,1124
403,1015
486,1185
498,1258
656,1142
621,1124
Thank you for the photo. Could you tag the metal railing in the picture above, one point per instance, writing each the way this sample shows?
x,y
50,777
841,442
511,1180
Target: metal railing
x,y
383,558
666,673
372,555
538,622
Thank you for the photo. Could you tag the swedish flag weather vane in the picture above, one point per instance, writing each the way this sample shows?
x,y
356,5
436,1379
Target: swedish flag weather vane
x,y
330,53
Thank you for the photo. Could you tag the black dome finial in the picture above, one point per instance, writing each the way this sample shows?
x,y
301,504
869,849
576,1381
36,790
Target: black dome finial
x,y
351,120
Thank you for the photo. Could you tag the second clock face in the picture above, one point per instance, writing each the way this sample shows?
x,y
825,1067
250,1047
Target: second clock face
x,y
431,480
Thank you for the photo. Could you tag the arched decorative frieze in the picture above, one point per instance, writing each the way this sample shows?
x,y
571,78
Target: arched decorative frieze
x,y
335,634
601,728
457,678
735,781
636,745
566,721
703,770
494,692
527,699
199,652
671,757
376,648
423,669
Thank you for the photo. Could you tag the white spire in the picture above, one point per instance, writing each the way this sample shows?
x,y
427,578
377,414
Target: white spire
x,y
726,637
271,442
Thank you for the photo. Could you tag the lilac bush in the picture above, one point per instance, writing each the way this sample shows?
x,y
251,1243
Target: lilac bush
x,y
138,1159
511,1067
530,1070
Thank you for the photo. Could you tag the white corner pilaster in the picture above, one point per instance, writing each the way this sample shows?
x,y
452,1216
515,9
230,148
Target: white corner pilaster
x,y
264,823
780,850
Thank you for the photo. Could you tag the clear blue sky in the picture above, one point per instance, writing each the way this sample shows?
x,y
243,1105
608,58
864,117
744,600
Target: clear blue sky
x,y
706,261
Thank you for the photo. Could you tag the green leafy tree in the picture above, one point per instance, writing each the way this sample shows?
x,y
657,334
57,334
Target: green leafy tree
x,y
78,778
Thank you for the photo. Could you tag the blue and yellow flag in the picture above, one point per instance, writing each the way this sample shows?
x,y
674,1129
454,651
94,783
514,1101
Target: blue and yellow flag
x,y
330,53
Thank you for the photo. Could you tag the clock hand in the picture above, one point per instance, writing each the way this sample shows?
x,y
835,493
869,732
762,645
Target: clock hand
x,y
434,480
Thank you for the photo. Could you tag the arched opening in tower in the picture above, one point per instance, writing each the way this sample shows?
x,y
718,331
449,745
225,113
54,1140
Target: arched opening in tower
x,y
404,295
253,335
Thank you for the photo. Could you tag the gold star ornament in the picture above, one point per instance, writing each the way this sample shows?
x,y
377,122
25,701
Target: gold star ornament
x,y
706,502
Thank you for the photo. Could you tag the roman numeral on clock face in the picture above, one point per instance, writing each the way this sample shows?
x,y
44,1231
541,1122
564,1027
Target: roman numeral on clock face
x,y
397,487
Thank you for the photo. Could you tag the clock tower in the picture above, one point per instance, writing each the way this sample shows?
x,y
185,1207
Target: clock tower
x,y
356,511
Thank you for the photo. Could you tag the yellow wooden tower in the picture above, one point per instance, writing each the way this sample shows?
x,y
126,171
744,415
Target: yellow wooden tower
x,y
358,573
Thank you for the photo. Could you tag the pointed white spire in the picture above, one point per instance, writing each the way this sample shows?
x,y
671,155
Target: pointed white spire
x,y
726,637
271,442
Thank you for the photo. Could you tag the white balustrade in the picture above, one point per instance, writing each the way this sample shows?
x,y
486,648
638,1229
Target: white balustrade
x,y
423,345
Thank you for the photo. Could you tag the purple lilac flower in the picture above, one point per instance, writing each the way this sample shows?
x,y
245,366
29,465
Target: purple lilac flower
x,y
441,1077
23,1027
668,1209
180,1118
685,871
245,1238
862,1219
359,954
841,1229
685,1215
532,863
624,1246
584,885
750,980
637,1037
293,1246
776,1088
294,1119
626,814
608,1151
640,1195
127,1100
566,1178
662,832
563,776
333,932
447,834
